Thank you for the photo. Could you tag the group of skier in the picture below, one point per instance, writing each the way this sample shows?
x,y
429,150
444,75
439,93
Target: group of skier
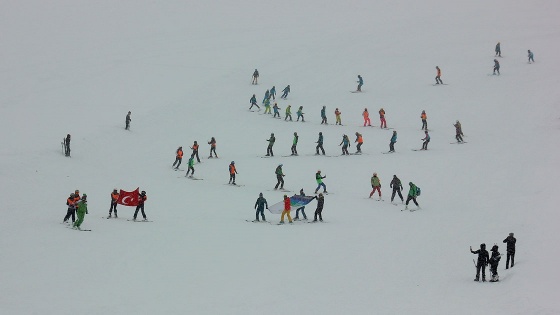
x,y
485,259
261,204
194,154
397,188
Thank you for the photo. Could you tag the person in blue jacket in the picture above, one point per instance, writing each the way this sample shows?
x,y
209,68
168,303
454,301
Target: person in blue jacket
x,y
324,115
273,92
498,50
259,205
320,144
426,140
360,83
276,110
253,102
302,208
266,96
530,56
496,66
393,141
285,92
345,143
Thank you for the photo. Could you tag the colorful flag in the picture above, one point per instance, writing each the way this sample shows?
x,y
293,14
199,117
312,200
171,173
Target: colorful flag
x,y
296,201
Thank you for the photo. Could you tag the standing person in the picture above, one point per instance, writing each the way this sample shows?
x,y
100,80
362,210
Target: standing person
x,y
496,67
319,144
382,118
337,116
255,77
345,143
81,210
232,172
279,177
458,132
253,102
285,92
360,83
393,141
195,151
320,183
438,76
287,209
271,141
366,117
300,114
273,92
494,261
360,141
302,208
67,145
190,169
498,50
259,206
324,115
71,212
294,144
141,200
127,121
376,185
510,249
267,106
114,199
482,262
412,193
178,157
397,188
212,144
530,56
276,110
319,210
426,140
288,113
424,118
266,96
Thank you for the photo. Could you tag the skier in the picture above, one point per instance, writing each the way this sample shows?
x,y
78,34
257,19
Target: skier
x,y
324,115
496,67
212,144
232,172
76,197
300,114
438,76
458,132
114,199
178,157
266,96
67,145
287,209
412,193
285,92
127,121
320,144
494,261
382,118
271,141
360,83
337,115
345,143
71,212
319,210
360,141
255,77
393,141
426,140
276,110
397,188
253,102
482,262
320,183
510,249
302,208
273,92
141,200
376,185
294,144
366,117
81,211
498,50
288,113
195,151
190,167
279,177
259,206
530,56
424,118
267,106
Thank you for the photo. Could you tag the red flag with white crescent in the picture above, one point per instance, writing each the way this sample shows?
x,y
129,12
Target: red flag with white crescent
x,y
129,198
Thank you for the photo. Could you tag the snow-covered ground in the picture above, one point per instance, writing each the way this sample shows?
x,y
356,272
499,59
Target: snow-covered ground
x,y
184,69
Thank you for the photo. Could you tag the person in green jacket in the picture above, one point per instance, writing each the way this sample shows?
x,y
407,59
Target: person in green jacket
x,y
294,144
191,167
259,205
267,109
412,193
319,179
81,210
288,112
376,185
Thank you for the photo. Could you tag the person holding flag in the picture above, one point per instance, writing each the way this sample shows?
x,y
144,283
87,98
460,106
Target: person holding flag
x,y
114,199
287,209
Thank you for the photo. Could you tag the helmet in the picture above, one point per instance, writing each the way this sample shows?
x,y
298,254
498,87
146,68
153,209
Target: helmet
x,y
483,246
318,171
84,196
320,133
76,191
280,165
143,192
72,195
260,194
232,162
374,174
495,248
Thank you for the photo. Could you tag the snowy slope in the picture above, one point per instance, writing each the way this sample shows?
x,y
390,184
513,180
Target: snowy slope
x,y
184,70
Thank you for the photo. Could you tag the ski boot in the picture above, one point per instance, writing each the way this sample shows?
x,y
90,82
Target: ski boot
x,y
476,279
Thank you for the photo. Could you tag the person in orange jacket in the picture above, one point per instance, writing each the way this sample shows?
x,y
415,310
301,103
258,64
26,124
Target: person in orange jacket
x,y
178,157
195,151
114,198
360,141
382,118
71,212
77,196
232,172
366,117
438,76
287,209
424,118
212,144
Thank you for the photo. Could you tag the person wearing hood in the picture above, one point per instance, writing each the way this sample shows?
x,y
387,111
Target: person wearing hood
x,y
482,262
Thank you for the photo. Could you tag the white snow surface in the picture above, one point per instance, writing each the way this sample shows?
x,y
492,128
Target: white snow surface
x,y
184,69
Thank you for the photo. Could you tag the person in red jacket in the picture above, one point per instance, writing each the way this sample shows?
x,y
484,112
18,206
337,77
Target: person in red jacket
x,y
141,200
178,157
382,118
287,209
367,121
114,198
71,212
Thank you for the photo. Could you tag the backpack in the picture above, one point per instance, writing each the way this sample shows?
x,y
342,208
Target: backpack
x,y
418,191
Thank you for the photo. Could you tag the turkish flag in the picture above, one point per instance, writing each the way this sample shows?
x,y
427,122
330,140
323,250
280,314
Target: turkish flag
x,y
129,198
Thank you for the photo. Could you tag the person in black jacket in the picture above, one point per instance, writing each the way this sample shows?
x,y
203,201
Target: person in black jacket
x,y
319,210
510,241
127,121
494,261
397,188
67,145
482,262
